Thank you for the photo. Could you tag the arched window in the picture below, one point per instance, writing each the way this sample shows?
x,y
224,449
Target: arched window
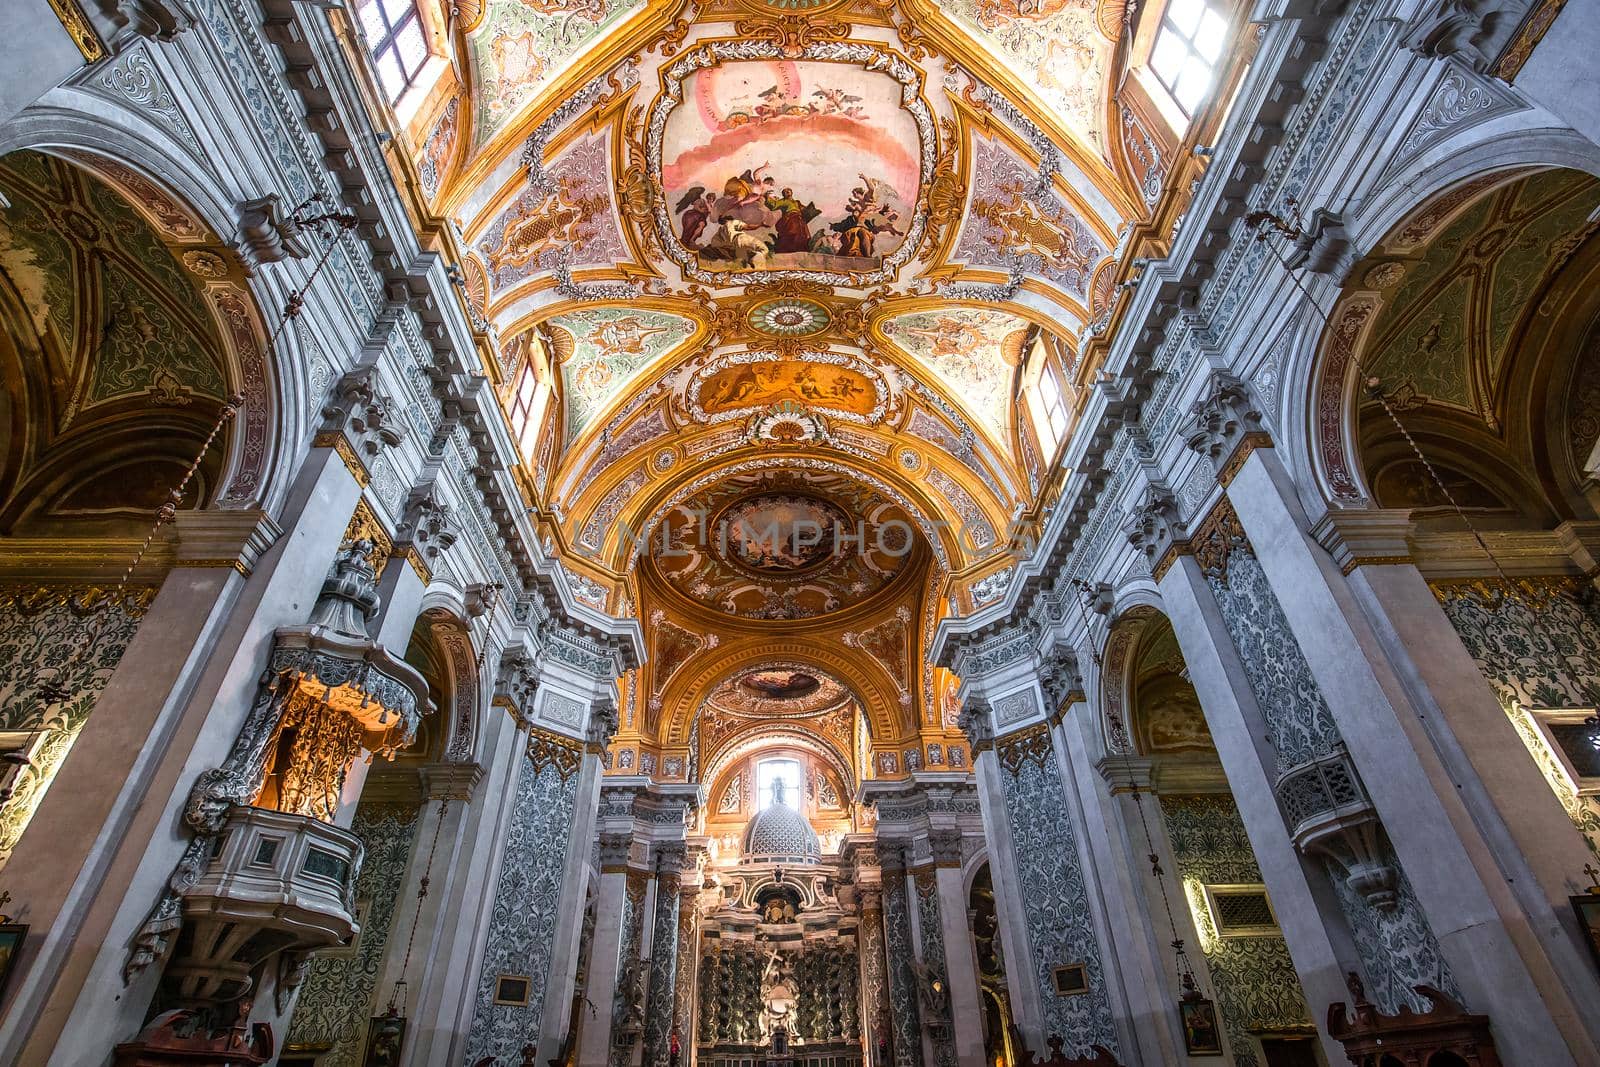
x,y
528,401
770,772
1047,401
1187,50
396,42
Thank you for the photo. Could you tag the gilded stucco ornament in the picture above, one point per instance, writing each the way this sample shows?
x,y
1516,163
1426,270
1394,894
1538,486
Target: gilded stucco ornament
x,y
344,693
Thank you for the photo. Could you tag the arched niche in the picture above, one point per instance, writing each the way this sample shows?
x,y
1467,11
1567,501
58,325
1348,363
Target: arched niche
x,y
444,653
1472,316
127,323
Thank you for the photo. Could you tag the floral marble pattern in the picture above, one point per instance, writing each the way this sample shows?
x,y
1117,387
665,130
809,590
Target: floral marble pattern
x,y
930,926
43,634
1257,987
522,926
340,994
1299,723
1397,948
1538,647
663,975
1055,899
904,1018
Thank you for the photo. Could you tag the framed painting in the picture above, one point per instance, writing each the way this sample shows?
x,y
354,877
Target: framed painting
x,y
385,1038
1587,908
12,935
1201,1034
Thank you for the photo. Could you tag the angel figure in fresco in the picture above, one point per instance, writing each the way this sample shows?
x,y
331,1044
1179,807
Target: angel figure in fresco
x,y
733,242
623,337
949,337
694,211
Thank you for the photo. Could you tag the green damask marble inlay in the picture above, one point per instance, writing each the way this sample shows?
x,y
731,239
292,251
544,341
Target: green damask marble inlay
x,y
52,634
1257,987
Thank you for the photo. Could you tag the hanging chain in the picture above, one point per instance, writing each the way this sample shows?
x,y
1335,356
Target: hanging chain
x,y
491,593
1124,747
1268,223
54,691
1375,390
395,1006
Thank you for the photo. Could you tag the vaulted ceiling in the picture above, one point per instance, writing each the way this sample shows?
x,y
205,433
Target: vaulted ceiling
x,y
787,258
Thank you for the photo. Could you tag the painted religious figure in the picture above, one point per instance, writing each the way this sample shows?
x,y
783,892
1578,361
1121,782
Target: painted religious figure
x,y
791,165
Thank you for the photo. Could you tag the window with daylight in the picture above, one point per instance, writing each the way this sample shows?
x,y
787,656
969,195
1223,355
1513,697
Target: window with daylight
x,y
1047,401
1051,409
1187,49
396,42
527,405
769,773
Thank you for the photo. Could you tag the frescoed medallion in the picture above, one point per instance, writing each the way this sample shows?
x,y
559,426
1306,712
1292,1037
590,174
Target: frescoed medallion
x,y
772,165
789,318
768,546
781,533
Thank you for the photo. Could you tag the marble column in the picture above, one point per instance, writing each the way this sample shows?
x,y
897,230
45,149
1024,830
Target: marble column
x,y
447,960
663,953
611,964
1529,833
960,951
177,704
567,949
1481,932
900,955
1022,985
875,1018
1313,924
687,967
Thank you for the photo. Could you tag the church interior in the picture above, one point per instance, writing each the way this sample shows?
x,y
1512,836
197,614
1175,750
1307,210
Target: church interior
x,y
799,533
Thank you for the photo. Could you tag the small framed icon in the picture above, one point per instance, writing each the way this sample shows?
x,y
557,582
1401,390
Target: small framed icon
x,y
1071,979
511,989
1201,1034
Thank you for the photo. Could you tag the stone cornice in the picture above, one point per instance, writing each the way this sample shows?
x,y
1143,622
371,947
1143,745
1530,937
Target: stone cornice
x,y
1289,49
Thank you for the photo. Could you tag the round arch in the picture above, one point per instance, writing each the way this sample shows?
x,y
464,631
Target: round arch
x,y
869,682
152,169
1330,449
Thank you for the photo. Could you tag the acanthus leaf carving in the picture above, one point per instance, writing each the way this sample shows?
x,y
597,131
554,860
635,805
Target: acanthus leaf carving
x,y
1222,419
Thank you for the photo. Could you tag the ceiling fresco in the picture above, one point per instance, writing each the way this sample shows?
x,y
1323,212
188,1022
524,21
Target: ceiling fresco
x,y
1453,299
601,349
780,690
520,45
973,350
776,546
786,256
791,166
1060,48
65,233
